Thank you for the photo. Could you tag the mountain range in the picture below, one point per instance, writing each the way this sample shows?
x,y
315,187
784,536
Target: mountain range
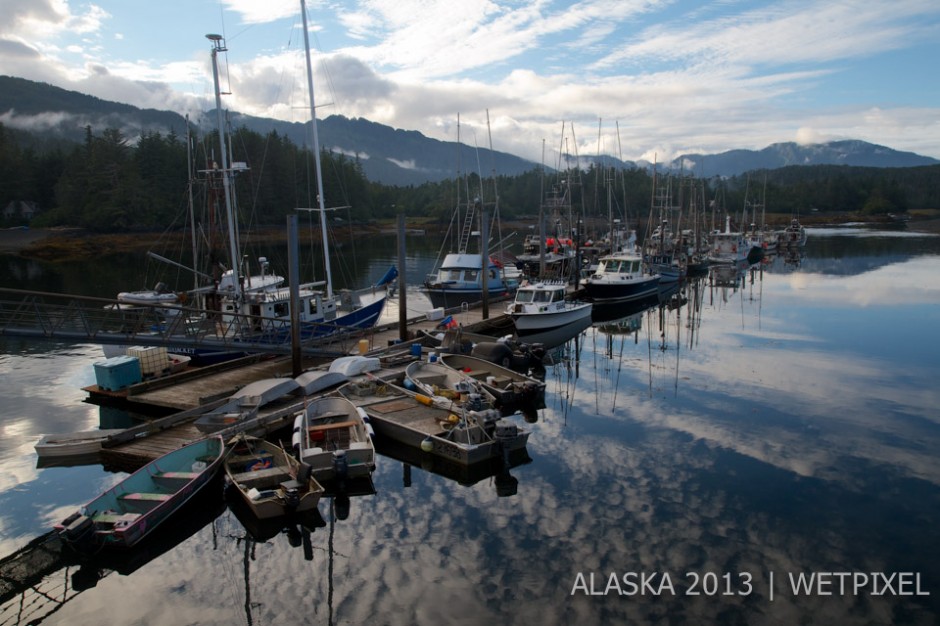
x,y
388,155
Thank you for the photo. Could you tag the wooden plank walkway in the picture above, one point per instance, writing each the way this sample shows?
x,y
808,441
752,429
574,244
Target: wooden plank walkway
x,y
188,393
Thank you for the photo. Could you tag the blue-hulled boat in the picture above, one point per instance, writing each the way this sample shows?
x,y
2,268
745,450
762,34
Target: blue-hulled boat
x,y
130,510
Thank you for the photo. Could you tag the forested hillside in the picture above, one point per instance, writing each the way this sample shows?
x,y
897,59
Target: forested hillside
x,y
107,184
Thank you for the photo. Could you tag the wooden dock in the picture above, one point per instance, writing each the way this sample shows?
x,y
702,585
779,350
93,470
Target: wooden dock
x,y
199,390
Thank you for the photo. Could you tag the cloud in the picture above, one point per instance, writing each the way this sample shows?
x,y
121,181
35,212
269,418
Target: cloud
x,y
253,12
707,79
807,136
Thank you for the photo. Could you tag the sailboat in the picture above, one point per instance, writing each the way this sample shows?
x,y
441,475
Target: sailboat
x,y
236,306
659,251
264,315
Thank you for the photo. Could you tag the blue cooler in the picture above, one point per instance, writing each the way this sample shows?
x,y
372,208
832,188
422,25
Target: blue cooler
x,y
117,373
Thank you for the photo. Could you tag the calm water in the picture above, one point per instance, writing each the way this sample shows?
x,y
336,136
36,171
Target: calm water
x,y
780,423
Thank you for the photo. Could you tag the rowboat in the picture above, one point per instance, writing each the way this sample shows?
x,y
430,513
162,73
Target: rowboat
x,y
334,438
445,384
268,479
512,391
432,425
86,442
133,508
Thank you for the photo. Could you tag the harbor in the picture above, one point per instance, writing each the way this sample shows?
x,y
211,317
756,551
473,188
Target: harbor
x,y
710,433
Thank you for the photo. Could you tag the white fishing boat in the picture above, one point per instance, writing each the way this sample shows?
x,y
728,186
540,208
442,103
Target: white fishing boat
x,y
269,480
728,246
334,438
543,306
459,279
794,235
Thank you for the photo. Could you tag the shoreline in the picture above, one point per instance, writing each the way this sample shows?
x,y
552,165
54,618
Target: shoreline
x,y
62,243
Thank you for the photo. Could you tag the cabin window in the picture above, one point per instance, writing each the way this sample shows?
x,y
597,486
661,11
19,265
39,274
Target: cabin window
x,y
471,275
281,309
524,296
543,296
612,266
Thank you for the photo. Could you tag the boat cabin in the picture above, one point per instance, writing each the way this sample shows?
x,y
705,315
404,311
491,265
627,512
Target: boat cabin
x,y
541,293
617,265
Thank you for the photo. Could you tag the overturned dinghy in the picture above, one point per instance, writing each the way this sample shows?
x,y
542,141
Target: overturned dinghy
x,y
316,381
350,366
244,404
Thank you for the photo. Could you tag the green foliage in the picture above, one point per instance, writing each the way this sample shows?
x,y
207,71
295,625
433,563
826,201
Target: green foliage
x,y
107,183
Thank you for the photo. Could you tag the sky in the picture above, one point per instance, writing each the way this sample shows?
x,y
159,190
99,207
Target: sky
x,y
637,79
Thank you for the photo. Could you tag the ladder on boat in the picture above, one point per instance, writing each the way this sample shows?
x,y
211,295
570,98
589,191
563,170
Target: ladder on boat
x,y
467,228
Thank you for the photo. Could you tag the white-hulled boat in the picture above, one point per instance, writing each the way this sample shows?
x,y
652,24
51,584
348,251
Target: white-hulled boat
x,y
793,235
86,442
543,306
334,438
459,281
159,295
728,246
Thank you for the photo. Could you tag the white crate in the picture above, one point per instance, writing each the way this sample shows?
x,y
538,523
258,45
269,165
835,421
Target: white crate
x,y
436,314
153,359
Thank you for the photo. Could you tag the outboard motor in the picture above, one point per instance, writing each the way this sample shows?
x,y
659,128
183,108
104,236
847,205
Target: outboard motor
x,y
494,352
340,464
291,497
475,402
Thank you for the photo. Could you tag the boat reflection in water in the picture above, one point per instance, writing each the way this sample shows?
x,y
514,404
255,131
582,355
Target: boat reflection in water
x,y
728,274
624,317
41,577
297,527
556,337
467,475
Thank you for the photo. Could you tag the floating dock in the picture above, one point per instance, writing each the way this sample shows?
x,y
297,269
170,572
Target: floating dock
x,y
200,390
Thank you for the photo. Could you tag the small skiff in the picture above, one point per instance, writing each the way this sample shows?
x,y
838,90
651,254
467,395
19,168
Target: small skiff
x,y
130,510
334,437
268,479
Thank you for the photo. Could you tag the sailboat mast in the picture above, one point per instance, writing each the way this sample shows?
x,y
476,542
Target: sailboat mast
x,y
217,47
189,188
316,154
